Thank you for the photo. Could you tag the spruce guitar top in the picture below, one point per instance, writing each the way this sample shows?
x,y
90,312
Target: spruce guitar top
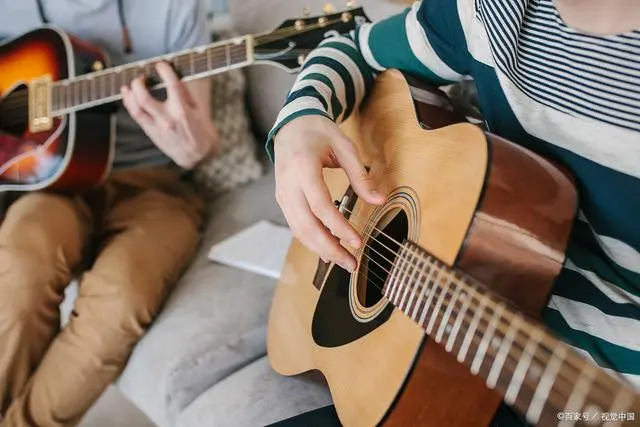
x,y
438,325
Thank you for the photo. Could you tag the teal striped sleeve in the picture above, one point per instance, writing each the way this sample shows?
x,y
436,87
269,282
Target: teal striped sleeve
x,y
338,74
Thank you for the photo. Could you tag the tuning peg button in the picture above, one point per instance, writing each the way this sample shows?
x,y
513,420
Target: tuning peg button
x,y
350,4
306,11
328,8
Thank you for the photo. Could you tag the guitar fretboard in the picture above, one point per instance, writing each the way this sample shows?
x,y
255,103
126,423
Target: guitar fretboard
x,y
534,371
104,86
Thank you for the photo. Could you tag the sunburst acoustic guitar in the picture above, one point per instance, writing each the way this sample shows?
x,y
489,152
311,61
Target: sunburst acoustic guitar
x,y
440,322
57,94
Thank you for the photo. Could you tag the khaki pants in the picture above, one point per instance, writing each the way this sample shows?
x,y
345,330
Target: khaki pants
x,y
145,225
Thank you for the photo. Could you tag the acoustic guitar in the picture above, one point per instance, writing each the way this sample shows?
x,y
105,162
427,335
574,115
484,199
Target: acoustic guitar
x,y
57,94
440,322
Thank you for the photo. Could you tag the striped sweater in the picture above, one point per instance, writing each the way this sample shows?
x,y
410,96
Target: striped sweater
x,y
562,93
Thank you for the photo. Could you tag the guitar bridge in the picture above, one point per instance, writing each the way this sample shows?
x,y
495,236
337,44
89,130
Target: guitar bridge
x,y
40,104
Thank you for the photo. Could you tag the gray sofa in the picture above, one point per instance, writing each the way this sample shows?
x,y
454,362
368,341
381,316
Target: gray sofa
x,y
203,362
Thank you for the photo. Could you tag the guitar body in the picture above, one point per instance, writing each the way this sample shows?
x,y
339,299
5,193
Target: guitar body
x,y
75,154
473,201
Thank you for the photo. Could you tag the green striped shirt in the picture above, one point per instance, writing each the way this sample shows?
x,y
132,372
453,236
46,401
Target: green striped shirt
x,y
567,95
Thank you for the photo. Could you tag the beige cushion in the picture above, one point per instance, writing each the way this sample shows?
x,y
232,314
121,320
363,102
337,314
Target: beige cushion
x,y
236,162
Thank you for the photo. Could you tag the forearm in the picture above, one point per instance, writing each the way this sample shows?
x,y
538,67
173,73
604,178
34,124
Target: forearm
x,y
339,73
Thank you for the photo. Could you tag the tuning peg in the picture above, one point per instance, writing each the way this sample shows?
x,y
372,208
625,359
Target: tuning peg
x,y
306,11
328,9
350,4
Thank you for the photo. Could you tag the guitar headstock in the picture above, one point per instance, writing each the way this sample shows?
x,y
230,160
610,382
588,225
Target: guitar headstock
x,y
290,43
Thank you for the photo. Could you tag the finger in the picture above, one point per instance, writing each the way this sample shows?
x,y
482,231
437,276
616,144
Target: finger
x,y
319,199
359,178
134,109
175,88
311,233
146,101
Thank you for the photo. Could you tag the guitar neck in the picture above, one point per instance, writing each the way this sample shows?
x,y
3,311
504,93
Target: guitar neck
x,y
539,375
101,87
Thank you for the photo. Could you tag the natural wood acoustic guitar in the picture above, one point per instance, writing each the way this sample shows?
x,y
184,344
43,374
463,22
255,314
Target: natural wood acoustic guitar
x,y
440,322
57,94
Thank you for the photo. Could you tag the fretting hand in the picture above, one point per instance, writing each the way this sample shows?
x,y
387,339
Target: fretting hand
x,y
303,148
179,127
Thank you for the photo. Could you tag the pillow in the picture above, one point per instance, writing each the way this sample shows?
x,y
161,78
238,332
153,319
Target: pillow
x,y
237,161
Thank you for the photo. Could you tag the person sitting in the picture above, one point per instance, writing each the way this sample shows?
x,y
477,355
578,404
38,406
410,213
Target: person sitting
x,y
560,77
145,220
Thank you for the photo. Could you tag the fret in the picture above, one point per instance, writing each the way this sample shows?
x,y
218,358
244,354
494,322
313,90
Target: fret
x,y
228,53
414,270
622,402
398,269
398,285
545,384
112,80
414,284
488,335
505,347
436,309
66,94
472,329
54,98
579,394
522,367
432,292
94,91
466,301
193,66
100,86
444,324
209,66
76,93
427,267
418,289
390,280
79,87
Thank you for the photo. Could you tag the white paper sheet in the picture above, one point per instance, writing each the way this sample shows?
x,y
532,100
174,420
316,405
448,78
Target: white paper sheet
x,y
260,248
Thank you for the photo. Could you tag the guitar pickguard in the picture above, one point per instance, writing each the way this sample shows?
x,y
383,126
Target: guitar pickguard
x,y
333,321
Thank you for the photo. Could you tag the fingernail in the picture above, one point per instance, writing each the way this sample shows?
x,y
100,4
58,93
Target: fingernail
x,y
354,243
346,266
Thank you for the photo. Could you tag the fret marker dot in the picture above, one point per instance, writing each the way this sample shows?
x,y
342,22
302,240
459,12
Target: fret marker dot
x,y
495,342
447,329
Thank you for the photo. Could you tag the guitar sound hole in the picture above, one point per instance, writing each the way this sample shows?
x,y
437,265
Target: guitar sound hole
x,y
380,253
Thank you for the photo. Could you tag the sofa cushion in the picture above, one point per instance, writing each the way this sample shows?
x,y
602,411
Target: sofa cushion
x,y
236,161
254,396
213,324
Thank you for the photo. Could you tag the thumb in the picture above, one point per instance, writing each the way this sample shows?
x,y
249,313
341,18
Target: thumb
x,y
361,181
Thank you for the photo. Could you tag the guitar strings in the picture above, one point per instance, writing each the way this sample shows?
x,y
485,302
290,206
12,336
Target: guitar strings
x,y
277,35
510,360
450,296
18,103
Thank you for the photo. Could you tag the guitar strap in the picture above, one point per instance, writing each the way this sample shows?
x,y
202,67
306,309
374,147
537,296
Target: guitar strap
x,y
126,38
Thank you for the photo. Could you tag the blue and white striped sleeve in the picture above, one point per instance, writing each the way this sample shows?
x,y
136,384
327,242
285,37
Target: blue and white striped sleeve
x,y
426,41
